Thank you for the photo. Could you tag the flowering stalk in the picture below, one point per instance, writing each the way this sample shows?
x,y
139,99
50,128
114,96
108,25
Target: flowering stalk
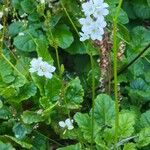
x,y
115,71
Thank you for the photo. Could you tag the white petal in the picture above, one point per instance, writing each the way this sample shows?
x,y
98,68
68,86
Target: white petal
x,y
48,75
62,124
70,127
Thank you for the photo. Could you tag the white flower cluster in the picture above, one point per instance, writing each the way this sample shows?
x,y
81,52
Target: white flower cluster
x,y
94,22
68,123
42,68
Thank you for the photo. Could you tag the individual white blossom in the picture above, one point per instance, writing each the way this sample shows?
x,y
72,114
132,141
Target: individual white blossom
x,y
42,1
1,27
42,68
24,15
94,22
1,14
68,123
21,34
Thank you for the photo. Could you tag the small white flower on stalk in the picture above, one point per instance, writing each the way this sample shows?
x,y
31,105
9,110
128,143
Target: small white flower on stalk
x,y
68,123
42,68
1,14
94,22
1,27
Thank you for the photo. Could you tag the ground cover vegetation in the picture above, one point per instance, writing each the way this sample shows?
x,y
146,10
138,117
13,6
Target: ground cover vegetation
x,y
75,74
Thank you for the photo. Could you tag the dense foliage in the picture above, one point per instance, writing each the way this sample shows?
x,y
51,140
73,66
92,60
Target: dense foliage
x,y
75,107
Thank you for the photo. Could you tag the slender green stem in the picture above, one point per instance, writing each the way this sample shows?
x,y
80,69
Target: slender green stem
x,y
71,21
115,71
58,60
93,98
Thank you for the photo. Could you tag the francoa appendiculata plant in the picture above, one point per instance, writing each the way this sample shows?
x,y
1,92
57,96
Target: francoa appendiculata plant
x,y
31,106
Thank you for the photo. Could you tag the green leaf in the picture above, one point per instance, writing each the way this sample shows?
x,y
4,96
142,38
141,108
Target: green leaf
x,y
126,124
5,113
20,130
21,143
142,11
104,111
139,90
39,141
25,43
15,28
145,119
74,92
144,137
6,146
39,82
30,117
6,71
129,146
85,124
23,65
122,18
63,36
52,89
42,50
72,147
28,6
25,92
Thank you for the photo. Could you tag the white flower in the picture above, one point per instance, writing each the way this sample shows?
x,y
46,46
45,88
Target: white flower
x,y
94,22
1,14
42,68
23,15
21,34
83,36
42,1
1,27
68,123
88,8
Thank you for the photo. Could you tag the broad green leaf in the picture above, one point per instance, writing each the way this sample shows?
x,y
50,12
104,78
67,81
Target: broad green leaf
x,y
6,146
140,37
21,143
25,43
25,92
85,124
139,90
144,137
15,28
142,11
104,111
122,18
145,120
39,82
74,92
23,65
6,71
30,117
63,36
20,130
72,147
52,89
28,6
5,113
126,124
42,50
126,127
